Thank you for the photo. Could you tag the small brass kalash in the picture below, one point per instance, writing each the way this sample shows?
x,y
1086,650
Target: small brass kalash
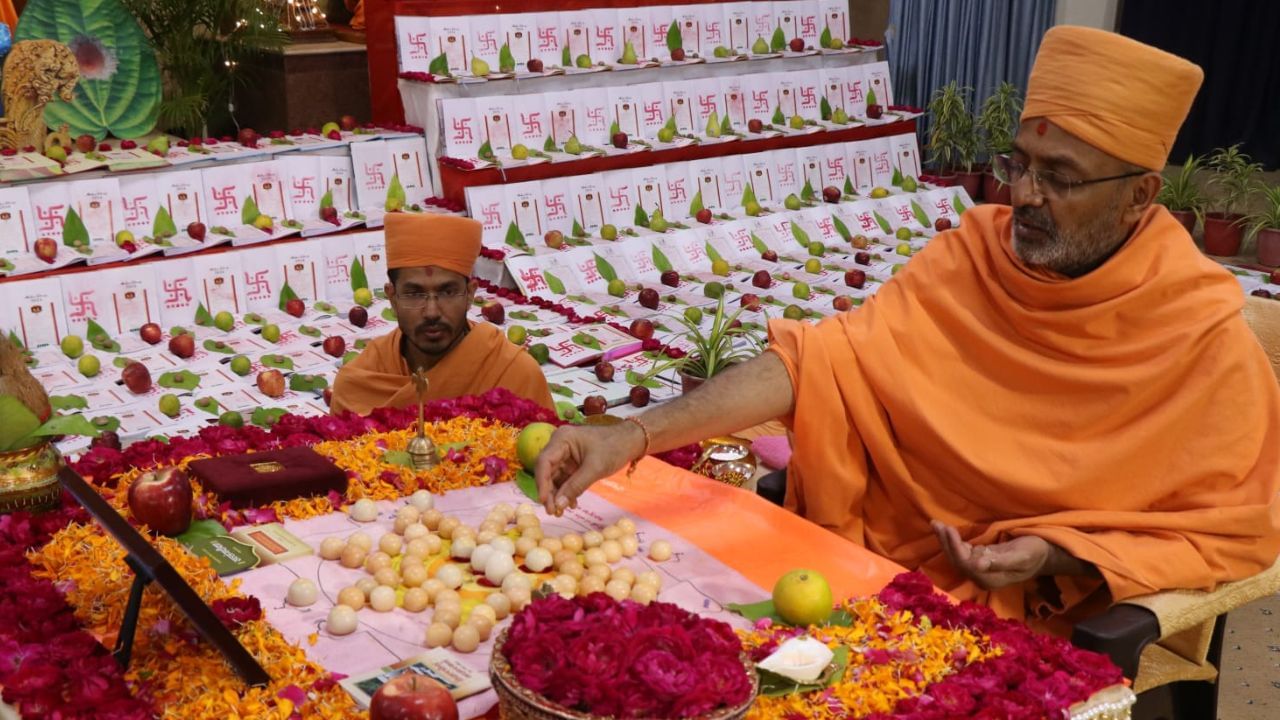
x,y
421,449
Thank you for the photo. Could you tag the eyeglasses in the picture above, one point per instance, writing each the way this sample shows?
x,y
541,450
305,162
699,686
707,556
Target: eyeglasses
x,y
447,296
1050,183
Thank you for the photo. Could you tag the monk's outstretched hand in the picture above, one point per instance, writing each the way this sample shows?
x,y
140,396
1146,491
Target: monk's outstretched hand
x,y
995,566
576,457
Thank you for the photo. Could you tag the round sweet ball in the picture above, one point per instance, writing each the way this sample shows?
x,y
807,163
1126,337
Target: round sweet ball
x,y
572,542
590,585
451,576
524,545
364,510
503,509
538,559
376,561
602,572
504,544
517,580
562,557
565,585
434,543
524,522
360,540
447,526
438,635
592,538
387,576
422,501
413,576
644,594
401,524
519,597
482,624
352,556
551,544
418,547
448,615
352,597
331,548
432,518
410,513
573,569
366,585
486,611
630,546
660,551
391,544
650,578
526,509
415,600
498,567
611,533
461,548
383,598
415,531
534,533
484,537
500,603
612,550
596,556
626,525
466,638
302,593
341,620
448,596
617,589
433,587
480,556
627,575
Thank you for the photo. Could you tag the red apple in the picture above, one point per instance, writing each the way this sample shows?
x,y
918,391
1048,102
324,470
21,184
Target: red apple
x,y
942,224
184,345
358,316
554,239
534,65
831,194
348,123
104,147
271,382
642,329
750,301
197,231
842,303
769,256
762,279
670,278
874,111
86,143
594,405
677,55
108,439
295,307
862,258
619,140
755,125
639,396
248,137
328,396
334,135
494,311
797,45
150,333
334,345
604,371
649,298
410,696
1275,276
136,377
704,216
47,249
330,215
1261,292
855,278
162,500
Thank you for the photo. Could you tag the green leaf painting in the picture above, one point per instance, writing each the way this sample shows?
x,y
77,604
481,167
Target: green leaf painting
x,y
554,283
395,194
118,92
660,260
606,270
614,129
358,277
74,233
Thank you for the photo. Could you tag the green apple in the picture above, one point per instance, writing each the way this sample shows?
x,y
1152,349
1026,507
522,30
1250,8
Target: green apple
x,y
797,122
813,265
693,315
666,134
903,249
479,67
330,127
224,321
721,52
583,61
72,346
240,365
713,289
231,418
760,47
169,405
800,291
617,287
792,202
88,365
817,249
793,312
519,152
609,232
271,332
363,297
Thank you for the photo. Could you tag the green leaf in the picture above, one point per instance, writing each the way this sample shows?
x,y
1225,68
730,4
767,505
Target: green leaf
x,y
74,233
309,331
217,346
726,127
439,65
549,145
614,129
825,108
515,238
711,253
642,217
696,205
286,294
163,226
203,316
566,58
799,234
553,283
674,41
66,425
825,40
506,61
326,200
249,211
921,216
586,341
95,332
849,189
841,228
201,529
307,383
778,118
389,314
779,41
606,270
758,244
960,207
749,195
756,611
485,152
807,193
884,224
660,260
126,102
871,97
635,378
68,402
106,423
395,193
279,362
527,484
897,178
398,457
358,278
561,390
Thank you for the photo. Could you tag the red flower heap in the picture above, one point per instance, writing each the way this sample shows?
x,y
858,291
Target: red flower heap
x,y
623,659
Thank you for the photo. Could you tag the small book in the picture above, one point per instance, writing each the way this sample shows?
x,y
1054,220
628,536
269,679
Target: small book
x,y
255,479
438,664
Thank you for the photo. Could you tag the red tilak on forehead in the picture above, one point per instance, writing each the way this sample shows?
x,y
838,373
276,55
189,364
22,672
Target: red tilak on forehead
x,y
1042,128
432,271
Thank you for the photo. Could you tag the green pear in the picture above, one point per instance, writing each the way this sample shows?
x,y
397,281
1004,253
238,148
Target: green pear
x,y
666,134
909,184
797,122
792,202
583,61
479,68
617,287
713,125
839,117
657,223
628,54
573,147
760,47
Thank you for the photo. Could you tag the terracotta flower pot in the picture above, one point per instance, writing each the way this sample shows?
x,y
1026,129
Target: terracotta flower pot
x,y
1222,234
689,382
971,182
1269,247
994,191
1187,218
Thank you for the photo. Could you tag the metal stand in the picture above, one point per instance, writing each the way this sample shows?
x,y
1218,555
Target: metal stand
x,y
129,627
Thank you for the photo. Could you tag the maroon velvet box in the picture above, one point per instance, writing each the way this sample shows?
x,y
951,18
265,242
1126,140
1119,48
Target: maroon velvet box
x,y
260,478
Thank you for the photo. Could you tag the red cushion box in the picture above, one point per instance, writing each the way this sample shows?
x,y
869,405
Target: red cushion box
x,y
256,479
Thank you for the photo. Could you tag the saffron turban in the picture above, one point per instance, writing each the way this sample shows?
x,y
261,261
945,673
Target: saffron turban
x,y
419,240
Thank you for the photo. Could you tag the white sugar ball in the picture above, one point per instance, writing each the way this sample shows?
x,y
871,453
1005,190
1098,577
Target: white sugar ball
x,y
416,531
612,533
302,592
592,538
498,567
480,556
360,540
644,594
660,551
364,510
617,589
504,544
341,621
612,550
626,525
500,603
595,556
462,548
451,575
331,548
383,598
516,580
422,500
572,542
415,600
538,559
630,546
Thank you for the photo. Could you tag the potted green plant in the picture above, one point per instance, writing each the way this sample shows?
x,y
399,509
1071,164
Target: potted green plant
x,y
1264,226
953,138
998,123
727,343
1232,183
1182,196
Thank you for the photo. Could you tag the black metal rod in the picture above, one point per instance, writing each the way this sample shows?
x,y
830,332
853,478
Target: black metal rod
x,y
129,627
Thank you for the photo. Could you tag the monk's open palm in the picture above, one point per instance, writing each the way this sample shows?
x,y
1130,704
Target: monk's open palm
x,y
573,459
994,566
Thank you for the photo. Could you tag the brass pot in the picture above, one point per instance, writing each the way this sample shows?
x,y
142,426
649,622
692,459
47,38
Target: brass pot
x,y
29,478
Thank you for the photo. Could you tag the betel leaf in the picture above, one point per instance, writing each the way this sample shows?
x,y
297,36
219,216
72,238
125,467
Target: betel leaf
x,y
266,417
179,380
959,204
163,226
553,283
66,425
577,230
326,200
614,129
897,178
586,341
807,193
884,224
825,109
549,145
635,378
755,611
95,332
286,294
778,118
660,260
779,40
642,217
249,211
566,57
68,402
395,192
506,61
726,127
674,40
799,234
119,89
203,316
921,216
514,237
439,65
358,278
841,228
561,390
696,205
711,253
849,189
749,195
606,270
74,233
670,124
825,39
758,244
871,97
527,484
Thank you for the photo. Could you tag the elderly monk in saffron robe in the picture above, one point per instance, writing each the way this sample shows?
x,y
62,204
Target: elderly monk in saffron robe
x,y
1056,406
429,263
